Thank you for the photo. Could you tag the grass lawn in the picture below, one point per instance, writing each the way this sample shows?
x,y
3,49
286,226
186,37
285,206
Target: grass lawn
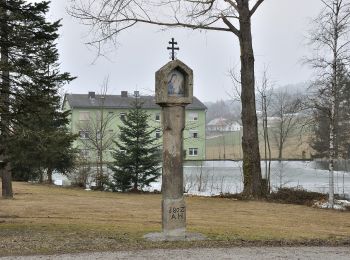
x,y
47,219
228,145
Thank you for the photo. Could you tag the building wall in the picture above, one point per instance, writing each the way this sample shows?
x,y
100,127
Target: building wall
x,y
194,133
190,141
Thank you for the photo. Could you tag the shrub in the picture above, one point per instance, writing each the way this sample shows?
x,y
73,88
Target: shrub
x,y
296,196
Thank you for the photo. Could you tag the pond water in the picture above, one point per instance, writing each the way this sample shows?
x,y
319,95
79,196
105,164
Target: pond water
x,y
215,177
226,176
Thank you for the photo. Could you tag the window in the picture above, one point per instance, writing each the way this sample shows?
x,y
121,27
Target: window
x,y
84,153
193,151
99,116
122,116
158,134
193,116
158,117
84,134
84,116
110,114
193,133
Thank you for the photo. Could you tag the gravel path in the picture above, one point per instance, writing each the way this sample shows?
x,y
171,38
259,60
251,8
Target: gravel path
x,y
317,253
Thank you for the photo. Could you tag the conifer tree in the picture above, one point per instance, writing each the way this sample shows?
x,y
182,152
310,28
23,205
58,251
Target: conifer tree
x,y
136,156
39,126
27,89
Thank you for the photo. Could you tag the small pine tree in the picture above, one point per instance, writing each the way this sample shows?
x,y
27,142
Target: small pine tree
x,y
136,157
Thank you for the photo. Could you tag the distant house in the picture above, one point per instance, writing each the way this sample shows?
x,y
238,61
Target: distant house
x,y
223,125
84,108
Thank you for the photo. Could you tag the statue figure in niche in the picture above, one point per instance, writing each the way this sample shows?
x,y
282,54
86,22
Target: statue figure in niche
x,y
176,84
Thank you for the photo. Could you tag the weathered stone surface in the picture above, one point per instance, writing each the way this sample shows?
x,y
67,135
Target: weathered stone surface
x,y
173,204
174,90
162,78
162,237
173,124
174,217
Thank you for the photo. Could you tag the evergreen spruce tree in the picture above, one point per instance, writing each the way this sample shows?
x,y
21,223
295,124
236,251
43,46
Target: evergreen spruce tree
x,y
28,90
136,156
40,126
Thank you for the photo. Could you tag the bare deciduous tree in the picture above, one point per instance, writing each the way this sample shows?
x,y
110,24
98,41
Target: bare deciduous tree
x,y
97,135
286,108
330,41
108,18
265,91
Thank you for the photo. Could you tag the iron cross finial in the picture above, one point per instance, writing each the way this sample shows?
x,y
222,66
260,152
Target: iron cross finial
x,y
173,48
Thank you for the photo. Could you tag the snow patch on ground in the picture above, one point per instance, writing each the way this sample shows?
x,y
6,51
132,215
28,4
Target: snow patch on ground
x,y
200,193
338,205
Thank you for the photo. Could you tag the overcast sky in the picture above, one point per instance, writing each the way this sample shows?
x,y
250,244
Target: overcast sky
x,y
279,30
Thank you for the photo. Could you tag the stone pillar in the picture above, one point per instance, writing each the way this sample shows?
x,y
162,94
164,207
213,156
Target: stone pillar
x,y
173,203
174,90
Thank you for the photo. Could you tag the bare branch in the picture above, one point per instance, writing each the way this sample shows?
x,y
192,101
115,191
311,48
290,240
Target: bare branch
x,y
107,18
255,7
231,26
236,82
233,4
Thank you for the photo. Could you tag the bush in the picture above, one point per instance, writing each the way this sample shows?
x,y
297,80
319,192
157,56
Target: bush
x,y
296,196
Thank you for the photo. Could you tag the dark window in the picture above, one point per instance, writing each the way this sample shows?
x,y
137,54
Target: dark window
x,y
84,134
193,151
194,134
122,116
157,117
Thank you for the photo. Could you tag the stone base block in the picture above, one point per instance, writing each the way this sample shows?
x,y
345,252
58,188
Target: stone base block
x,y
174,217
155,237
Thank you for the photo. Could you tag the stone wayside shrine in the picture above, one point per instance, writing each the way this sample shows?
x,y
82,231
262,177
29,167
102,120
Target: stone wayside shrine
x,y
174,90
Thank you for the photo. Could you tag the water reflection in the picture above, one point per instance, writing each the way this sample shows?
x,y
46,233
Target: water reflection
x,y
214,177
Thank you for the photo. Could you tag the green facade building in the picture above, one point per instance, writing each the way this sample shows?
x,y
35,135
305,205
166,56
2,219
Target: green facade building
x,y
95,118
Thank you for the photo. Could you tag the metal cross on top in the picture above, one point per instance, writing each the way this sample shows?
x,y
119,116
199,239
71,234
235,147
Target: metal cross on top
x,y
173,48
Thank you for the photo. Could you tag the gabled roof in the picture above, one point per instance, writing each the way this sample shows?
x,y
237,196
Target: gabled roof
x,y
218,122
118,101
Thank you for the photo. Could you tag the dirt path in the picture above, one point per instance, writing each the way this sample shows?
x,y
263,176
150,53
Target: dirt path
x,y
316,253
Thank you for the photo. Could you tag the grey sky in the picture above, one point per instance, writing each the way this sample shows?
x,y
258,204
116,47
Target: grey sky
x,y
279,27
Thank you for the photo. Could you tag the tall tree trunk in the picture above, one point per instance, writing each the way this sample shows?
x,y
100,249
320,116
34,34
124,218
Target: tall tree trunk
x,y
101,177
280,149
250,139
49,176
332,131
332,126
136,184
4,105
267,147
331,160
41,176
7,192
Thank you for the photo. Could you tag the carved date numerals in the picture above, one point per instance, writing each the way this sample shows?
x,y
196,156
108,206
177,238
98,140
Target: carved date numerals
x,y
177,213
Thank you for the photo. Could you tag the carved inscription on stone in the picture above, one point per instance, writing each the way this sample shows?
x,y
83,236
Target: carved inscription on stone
x,y
174,215
177,213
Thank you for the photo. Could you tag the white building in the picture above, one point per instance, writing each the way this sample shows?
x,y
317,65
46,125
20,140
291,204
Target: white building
x,y
223,125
